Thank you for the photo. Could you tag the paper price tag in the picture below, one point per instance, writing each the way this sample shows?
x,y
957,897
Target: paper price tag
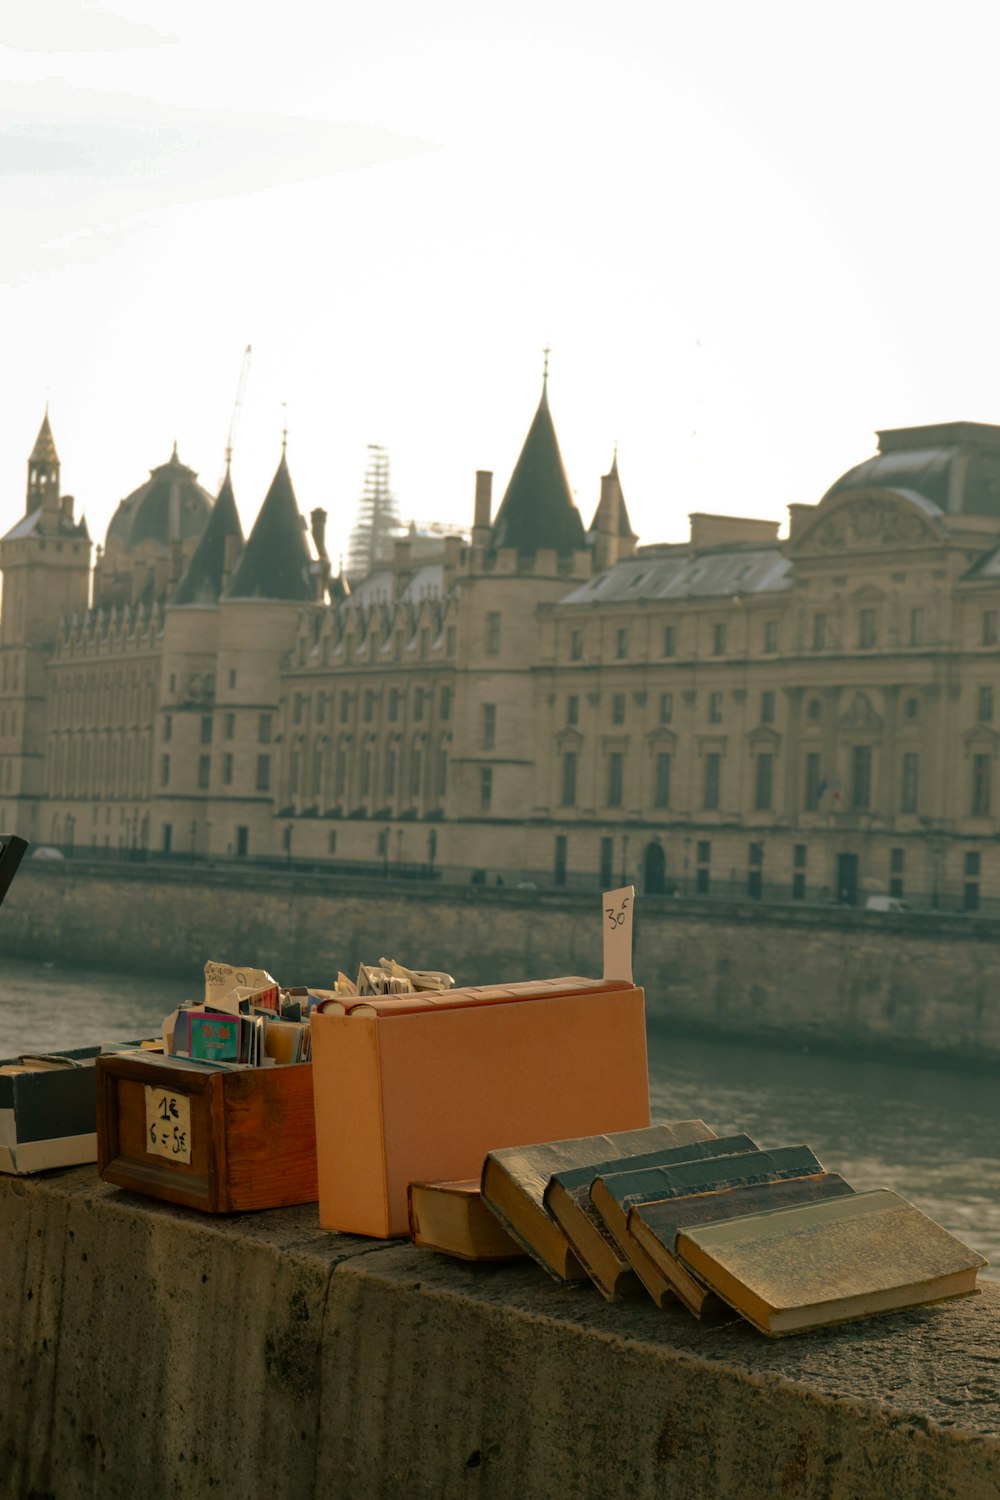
x,y
617,909
168,1124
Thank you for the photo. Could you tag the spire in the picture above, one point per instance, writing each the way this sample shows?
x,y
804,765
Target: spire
x,y
538,510
611,531
43,468
219,546
275,562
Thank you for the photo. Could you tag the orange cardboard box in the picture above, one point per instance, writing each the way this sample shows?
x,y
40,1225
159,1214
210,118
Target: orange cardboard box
x,y
423,1097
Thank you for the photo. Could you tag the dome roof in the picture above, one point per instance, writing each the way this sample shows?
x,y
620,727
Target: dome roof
x,y
170,507
954,465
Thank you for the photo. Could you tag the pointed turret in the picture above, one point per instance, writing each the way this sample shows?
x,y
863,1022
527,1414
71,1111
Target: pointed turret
x,y
538,511
217,553
611,533
275,562
43,469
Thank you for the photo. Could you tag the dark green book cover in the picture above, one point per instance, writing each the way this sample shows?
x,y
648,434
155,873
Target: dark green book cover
x,y
666,1216
667,1156
654,1183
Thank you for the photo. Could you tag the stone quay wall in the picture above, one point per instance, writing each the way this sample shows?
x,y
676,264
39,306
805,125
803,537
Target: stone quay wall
x,y
149,1350
918,984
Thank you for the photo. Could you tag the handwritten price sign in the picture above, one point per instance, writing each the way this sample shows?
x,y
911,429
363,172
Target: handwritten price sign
x,y
618,906
168,1124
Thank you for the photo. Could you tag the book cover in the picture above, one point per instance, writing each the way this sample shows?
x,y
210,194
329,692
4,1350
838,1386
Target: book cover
x,y
514,1182
215,1038
653,1227
829,1262
451,1218
567,1200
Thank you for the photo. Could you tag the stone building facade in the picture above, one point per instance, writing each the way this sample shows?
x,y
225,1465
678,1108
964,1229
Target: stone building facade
x,y
814,717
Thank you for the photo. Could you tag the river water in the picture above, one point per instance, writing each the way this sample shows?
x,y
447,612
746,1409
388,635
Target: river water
x,y
929,1133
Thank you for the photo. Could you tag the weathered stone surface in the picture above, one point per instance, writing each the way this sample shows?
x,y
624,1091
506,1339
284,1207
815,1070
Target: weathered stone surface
x,y
149,1350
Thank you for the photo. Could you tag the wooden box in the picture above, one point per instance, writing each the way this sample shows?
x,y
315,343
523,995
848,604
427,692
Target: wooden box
x,y
218,1140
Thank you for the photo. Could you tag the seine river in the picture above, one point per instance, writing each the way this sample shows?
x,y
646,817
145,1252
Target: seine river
x,y
929,1133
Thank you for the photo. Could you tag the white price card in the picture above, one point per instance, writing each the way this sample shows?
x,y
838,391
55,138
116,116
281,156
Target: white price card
x,y
168,1124
617,908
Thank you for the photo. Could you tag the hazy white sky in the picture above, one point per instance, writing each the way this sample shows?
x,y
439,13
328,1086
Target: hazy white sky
x,y
751,235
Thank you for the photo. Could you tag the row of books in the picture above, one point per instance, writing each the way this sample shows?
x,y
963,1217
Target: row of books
x,y
716,1224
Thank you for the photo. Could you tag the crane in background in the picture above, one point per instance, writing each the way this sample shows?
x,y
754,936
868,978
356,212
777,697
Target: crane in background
x,y
241,386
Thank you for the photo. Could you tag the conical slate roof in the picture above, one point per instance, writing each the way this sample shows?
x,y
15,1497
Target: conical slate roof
x,y
202,581
275,562
611,488
537,510
44,451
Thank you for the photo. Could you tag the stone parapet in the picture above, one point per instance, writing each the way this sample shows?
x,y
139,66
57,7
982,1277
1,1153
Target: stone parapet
x,y
147,1350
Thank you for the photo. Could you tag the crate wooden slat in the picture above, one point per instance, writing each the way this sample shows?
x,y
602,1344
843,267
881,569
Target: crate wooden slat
x,y
252,1134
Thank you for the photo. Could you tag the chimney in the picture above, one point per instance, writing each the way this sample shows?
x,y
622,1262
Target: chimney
x,y
318,518
481,529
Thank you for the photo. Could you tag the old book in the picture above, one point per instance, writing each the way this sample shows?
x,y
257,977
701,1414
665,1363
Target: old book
x,y
567,1200
515,1179
653,1228
452,1218
829,1262
613,1193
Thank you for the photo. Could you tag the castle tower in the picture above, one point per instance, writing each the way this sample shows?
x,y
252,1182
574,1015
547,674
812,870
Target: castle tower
x,y
537,511
611,533
45,561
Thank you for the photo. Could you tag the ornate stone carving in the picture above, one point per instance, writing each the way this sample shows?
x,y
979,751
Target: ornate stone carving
x,y
860,714
869,522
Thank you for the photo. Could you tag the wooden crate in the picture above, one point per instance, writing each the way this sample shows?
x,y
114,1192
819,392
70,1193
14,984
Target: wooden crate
x,y
212,1139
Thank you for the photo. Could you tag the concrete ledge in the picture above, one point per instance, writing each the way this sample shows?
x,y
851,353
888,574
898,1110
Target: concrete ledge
x,y
146,1350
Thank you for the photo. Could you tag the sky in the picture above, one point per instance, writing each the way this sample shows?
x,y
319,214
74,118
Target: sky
x,y
750,235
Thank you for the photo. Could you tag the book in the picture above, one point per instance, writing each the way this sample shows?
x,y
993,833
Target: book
x,y
452,1218
738,1160
484,994
567,1200
515,1178
829,1262
653,1228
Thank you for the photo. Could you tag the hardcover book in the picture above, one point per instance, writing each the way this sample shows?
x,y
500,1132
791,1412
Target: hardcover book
x,y
452,1218
829,1262
514,1182
653,1228
567,1200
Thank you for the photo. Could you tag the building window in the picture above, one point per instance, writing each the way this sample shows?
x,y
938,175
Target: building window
x,y
616,772
719,639
320,708
909,782
569,779
390,773
866,629
661,780
489,725
897,859
799,852
755,871
419,699
393,705
206,729
442,772
819,632
572,709
168,729
715,708
232,677
204,771
340,773
485,788
416,773
916,627
814,710
229,726
764,780
621,643
449,640
713,778
767,707
770,636
493,633
164,770
989,627
576,645
911,709
345,707
366,773
369,705
666,707
297,708
264,729
970,894
331,841
702,877
985,705
814,787
263,773
982,785
861,777
618,708
670,640
173,682
559,867
227,770
444,704
605,872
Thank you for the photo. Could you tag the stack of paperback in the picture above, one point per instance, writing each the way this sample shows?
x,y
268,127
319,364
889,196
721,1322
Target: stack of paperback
x,y
714,1223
